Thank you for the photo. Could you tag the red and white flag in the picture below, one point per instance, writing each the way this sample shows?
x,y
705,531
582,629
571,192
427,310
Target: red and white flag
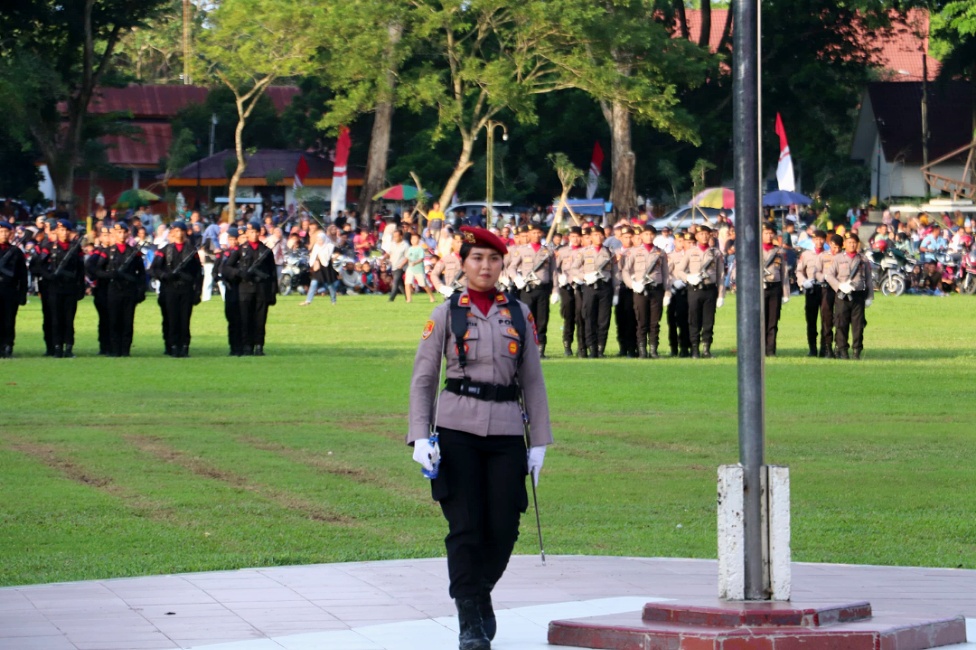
x,y
301,171
784,170
339,183
596,165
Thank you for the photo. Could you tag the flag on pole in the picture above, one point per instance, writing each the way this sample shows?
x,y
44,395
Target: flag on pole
x,y
339,172
784,170
301,171
596,165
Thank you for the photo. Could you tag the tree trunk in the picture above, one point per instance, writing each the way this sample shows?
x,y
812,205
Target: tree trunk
x,y
622,191
379,143
241,163
463,164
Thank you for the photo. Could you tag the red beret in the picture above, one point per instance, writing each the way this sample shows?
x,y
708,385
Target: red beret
x,y
483,238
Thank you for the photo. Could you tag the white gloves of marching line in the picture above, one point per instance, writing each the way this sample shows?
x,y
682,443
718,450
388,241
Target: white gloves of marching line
x,y
536,455
445,291
694,278
678,284
808,284
562,279
616,300
786,299
638,286
667,300
590,278
867,303
846,287
719,302
519,282
426,454
554,298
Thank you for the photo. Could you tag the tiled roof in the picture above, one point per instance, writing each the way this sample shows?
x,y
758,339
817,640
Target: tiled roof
x,y
145,149
262,163
163,102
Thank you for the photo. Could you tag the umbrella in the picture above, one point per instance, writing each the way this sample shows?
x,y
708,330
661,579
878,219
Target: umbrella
x,y
720,198
400,192
134,198
785,197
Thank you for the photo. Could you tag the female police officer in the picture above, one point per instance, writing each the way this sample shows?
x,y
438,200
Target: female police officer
x,y
480,481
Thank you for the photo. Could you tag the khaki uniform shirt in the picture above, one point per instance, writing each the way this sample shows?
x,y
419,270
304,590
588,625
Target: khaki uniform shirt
x,y
842,267
774,268
695,260
646,267
811,266
534,266
449,267
599,261
565,259
673,259
493,347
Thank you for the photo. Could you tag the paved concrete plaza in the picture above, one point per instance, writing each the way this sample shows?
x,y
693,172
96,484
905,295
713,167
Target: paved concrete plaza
x,y
403,604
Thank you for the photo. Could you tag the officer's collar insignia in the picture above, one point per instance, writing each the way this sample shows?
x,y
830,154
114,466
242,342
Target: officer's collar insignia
x,y
500,298
465,300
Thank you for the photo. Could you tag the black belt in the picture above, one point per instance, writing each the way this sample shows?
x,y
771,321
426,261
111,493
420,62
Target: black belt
x,y
478,390
703,286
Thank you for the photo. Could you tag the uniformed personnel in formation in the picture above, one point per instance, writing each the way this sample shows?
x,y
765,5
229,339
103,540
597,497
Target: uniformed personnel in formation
x,y
811,281
232,306
178,269
531,267
13,289
254,267
62,268
850,275
482,453
702,268
776,286
679,337
645,273
595,270
447,276
570,295
122,268
623,311
99,290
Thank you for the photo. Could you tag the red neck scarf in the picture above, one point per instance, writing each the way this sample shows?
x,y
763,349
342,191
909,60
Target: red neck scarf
x,y
703,247
254,245
536,247
767,247
648,247
179,247
121,248
482,299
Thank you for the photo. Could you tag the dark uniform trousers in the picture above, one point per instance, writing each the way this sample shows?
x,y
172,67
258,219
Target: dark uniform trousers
x,y
648,307
64,305
701,313
120,314
537,299
678,336
481,490
47,322
597,305
100,298
580,321
827,299
626,321
813,302
397,285
568,309
849,318
176,300
254,313
232,312
773,295
9,304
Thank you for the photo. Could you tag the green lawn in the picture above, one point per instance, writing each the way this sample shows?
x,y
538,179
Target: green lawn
x,y
121,467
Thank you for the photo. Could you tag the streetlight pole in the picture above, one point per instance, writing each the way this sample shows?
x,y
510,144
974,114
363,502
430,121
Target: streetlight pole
x,y
490,125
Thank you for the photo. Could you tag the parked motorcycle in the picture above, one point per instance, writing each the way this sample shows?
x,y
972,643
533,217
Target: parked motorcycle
x,y
295,272
968,272
891,272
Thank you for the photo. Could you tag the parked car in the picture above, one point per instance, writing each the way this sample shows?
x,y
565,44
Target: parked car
x,y
686,215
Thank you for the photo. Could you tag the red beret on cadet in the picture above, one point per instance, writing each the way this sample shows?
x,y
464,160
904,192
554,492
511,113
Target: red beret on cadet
x,y
483,239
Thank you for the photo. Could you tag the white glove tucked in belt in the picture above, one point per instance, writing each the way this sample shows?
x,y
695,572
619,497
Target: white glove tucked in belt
x,y
638,287
519,282
536,456
446,291
694,279
678,284
808,284
562,279
846,287
427,454
591,277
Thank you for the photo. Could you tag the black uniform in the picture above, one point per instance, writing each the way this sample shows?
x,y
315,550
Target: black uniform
x,y
13,294
180,275
99,294
232,305
38,269
123,271
64,275
253,265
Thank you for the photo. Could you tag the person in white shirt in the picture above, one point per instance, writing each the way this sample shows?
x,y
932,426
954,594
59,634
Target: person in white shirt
x,y
665,241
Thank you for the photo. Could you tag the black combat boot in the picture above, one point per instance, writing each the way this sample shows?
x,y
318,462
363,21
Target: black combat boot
x,y
842,354
7,352
567,349
653,353
706,351
599,352
813,351
641,351
58,351
674,350
857,355
542,351
685,353
68,353
582,351
695,354
472,635
259,350
487,613
173,351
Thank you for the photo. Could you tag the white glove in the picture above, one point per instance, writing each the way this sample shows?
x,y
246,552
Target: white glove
x,y
536,455
638,287
678,284
808,284
667,299
426,454
519,282
694,279
562,279
554,298
578,281
719,303
786,299
846,287
867,303
616,300
590,278
446,291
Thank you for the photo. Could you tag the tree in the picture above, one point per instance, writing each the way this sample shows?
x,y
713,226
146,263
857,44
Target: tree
x,y
56,54
249,45
569,175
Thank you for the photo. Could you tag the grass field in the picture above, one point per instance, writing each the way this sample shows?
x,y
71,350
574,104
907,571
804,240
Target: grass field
x,y
121,467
